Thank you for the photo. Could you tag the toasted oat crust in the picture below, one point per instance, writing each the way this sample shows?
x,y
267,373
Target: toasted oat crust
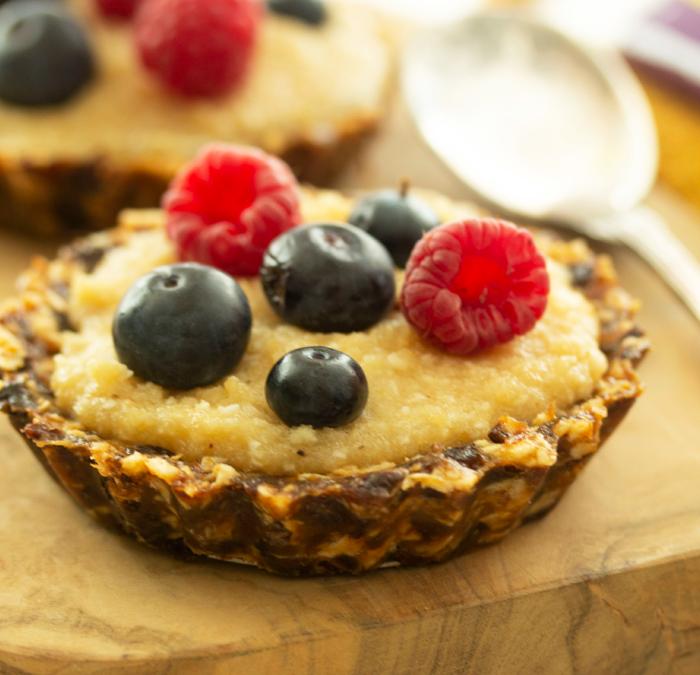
x,y
430,508
87,194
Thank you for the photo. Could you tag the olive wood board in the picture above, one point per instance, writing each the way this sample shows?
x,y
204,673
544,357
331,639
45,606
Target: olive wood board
x,y
609,582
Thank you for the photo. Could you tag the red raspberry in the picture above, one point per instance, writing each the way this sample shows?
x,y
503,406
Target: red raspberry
x,y
228,205
473,284
198,47
121,9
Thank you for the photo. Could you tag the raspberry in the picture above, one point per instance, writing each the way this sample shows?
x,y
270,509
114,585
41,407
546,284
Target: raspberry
x,y
121,9
473,284
228,205
198,47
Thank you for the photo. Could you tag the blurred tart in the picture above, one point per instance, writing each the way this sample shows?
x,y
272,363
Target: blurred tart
x,y
311,93
451,452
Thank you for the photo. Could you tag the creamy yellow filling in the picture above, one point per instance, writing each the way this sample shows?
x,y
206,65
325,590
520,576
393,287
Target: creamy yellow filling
x,y
418,396
304,82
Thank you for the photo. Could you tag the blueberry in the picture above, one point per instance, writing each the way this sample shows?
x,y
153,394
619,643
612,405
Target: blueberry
x,y
328,278
182,326
45,56
319,386
309,11
397,219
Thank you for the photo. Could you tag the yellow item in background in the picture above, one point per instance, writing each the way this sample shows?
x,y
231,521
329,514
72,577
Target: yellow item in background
x,y
678,122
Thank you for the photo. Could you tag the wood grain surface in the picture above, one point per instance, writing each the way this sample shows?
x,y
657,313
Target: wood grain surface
x,y
609,582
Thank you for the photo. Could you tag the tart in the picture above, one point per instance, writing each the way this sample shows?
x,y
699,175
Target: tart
x,y
416,479
312,94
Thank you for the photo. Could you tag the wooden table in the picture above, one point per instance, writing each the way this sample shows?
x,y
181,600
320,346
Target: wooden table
x,y
609,582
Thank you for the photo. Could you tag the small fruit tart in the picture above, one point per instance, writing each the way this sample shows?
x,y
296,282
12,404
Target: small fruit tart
x,y
101,101
335,412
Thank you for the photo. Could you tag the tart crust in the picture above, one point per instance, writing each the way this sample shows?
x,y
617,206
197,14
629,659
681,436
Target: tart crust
x,y
60,196
436,505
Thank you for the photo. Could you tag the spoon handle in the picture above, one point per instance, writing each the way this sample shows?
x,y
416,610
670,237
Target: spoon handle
x,y
647,234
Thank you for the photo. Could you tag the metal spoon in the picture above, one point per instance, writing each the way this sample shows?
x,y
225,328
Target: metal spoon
x,y
542,128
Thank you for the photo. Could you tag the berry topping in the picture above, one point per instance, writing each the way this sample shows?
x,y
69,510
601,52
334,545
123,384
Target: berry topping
x,y
319,386
45,56
397,219
312,12
473,284
196,47
119,9
329,278
182,326
228,205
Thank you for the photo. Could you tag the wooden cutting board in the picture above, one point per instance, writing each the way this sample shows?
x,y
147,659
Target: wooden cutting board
x,y
609,582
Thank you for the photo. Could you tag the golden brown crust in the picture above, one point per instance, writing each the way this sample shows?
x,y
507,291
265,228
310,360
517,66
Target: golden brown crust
x,y
427,509
88,194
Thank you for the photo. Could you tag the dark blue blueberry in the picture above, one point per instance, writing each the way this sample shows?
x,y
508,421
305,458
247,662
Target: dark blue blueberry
x,y
45,56
319,386
397,219
328,278
182,326
312,12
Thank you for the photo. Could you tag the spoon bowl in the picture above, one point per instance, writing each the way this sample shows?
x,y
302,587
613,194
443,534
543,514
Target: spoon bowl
x,y
539,127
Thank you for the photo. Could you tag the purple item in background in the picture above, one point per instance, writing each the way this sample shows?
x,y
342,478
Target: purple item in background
x,y
680,17
667,44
